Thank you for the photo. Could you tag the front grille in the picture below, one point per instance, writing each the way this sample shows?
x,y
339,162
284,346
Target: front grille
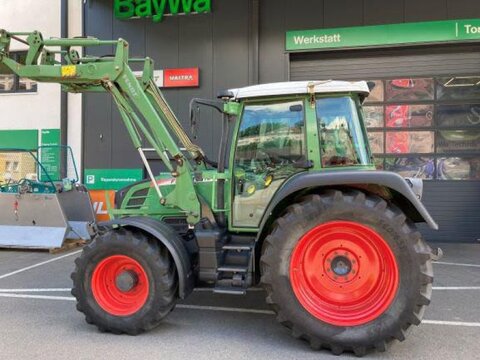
x,y
137,199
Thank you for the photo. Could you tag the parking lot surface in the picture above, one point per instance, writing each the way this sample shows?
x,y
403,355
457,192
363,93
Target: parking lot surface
x,y
39,320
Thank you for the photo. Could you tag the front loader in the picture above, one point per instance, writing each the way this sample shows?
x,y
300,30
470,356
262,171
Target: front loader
x,y
293,203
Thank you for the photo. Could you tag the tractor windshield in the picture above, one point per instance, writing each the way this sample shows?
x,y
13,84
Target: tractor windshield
x,y
342,138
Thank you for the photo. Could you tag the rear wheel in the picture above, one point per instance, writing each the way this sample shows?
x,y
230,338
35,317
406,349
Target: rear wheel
x,y
124,282
346,271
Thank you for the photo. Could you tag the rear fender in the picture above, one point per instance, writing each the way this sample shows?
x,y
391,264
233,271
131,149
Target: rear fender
x,y
169,238
386,184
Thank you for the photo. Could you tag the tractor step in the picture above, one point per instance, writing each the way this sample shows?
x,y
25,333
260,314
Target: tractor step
x,y
237,247
233,268
229,290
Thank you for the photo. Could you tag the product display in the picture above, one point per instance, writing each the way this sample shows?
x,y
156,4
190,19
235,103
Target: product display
x,y
435,119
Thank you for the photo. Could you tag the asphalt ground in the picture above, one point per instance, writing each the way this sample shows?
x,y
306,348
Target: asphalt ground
x,y
38,319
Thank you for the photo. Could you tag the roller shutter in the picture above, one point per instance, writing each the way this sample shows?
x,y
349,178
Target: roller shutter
x,y
425,61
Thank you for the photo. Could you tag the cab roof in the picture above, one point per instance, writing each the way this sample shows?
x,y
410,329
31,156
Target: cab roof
x,y
301,87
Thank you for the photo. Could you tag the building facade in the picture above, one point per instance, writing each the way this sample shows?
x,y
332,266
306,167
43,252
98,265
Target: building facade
x,y
38,114
423,116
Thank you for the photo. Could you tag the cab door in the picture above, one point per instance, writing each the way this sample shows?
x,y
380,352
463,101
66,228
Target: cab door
x,y
270,147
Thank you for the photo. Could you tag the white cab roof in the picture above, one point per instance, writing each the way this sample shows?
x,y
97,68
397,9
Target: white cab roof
x,y
301,87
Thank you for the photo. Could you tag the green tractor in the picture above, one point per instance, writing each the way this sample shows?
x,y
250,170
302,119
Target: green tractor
x,y
293,203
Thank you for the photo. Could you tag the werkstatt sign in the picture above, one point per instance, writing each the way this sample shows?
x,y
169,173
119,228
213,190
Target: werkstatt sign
x,y
384,35
111,179
157,9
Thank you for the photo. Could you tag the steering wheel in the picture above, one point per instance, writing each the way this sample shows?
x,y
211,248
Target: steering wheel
x,y
262,161
262,156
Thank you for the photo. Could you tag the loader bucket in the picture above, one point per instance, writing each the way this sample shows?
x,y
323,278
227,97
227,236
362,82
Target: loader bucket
x,y
39,207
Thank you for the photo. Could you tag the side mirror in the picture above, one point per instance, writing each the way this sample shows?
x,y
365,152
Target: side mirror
x,y
194,110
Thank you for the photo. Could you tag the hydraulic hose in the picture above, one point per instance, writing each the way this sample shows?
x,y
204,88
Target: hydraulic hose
x,y
173,122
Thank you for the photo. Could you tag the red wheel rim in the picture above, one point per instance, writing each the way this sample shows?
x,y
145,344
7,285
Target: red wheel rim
x,y
132,293
344,273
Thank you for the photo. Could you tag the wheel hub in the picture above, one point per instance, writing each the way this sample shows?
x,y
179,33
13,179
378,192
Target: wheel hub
x,y
341,266
126,281
344,273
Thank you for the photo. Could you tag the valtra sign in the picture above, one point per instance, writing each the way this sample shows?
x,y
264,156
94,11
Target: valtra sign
x,y
188,77
157,9
172,78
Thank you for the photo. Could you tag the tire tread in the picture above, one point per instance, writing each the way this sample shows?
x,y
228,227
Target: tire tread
x,y
161,264
296,214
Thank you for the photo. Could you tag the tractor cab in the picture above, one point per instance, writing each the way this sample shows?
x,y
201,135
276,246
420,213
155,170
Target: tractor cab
x,y
293,127
331,108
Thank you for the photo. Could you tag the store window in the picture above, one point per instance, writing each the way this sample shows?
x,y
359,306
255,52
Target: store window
x,y
426,127
11,83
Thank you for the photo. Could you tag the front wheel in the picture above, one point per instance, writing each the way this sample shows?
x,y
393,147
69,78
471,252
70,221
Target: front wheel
x,y
346,271
125,282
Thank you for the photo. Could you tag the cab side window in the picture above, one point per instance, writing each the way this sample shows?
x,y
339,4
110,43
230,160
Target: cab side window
x,y
341,138
270,142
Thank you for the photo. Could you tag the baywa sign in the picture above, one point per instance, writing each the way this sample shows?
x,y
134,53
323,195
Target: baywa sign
x,y
157,9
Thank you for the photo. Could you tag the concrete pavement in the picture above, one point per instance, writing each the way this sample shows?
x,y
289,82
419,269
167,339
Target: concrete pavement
x,y
38,319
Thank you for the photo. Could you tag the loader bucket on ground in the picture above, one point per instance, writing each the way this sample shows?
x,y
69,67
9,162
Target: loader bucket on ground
x,y
40,205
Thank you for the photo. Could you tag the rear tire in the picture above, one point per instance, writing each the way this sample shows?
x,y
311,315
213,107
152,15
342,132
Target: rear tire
x,y
124,282
312,265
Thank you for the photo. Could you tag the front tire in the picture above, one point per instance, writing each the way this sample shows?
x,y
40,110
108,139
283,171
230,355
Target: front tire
x,y
124,282
346,271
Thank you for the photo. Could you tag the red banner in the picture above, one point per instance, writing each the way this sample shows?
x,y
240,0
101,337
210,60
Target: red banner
x,y
187,77
99,203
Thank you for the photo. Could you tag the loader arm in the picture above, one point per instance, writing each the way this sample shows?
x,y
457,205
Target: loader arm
x,y
143,109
